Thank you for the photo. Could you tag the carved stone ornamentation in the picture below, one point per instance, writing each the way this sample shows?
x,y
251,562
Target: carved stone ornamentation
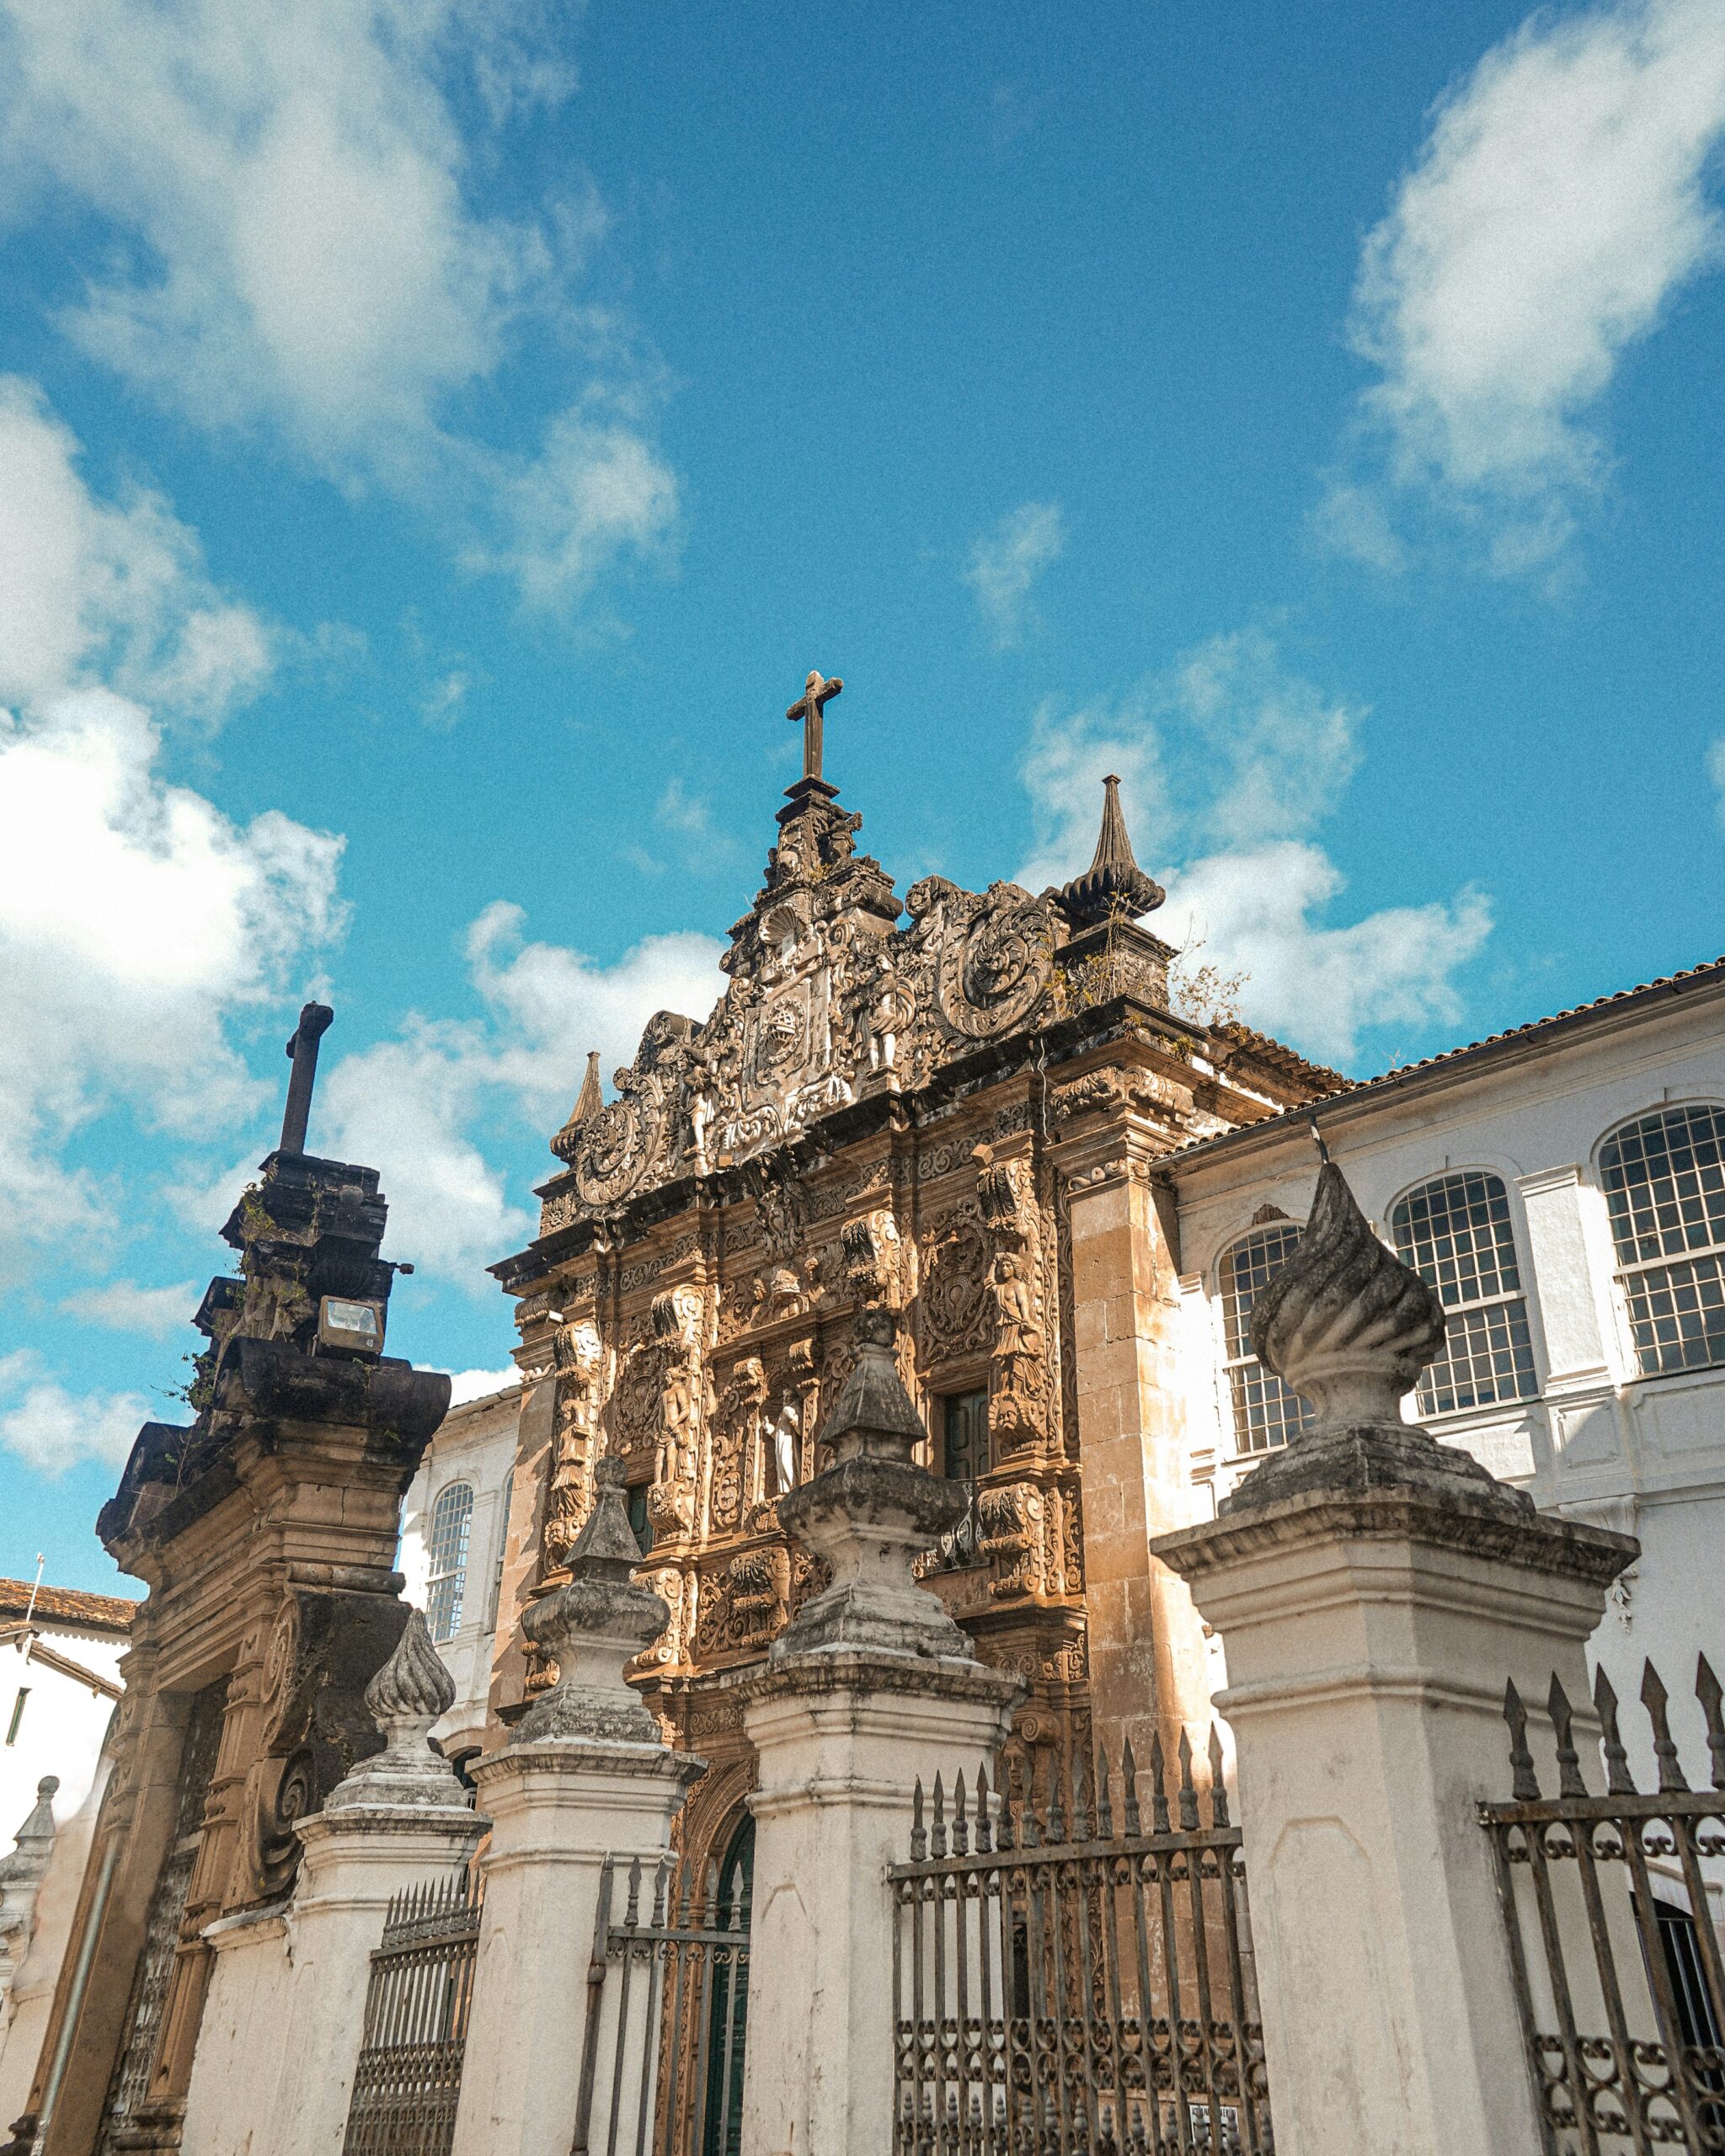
x,y
1348,1326
577,1357
404,1698
956,1308
591,1626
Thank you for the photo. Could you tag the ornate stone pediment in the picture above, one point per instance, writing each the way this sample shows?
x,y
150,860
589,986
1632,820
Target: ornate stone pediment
x,y
828,998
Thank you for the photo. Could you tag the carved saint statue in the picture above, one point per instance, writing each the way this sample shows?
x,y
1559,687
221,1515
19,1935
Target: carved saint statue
x,y
782,1442
1017,1332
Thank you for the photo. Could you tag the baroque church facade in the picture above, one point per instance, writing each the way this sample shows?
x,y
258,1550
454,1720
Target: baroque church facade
x,y
949,1106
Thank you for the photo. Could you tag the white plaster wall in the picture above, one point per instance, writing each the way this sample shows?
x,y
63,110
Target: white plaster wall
x,y
1644,1455
64,1723
476,1444
23,2014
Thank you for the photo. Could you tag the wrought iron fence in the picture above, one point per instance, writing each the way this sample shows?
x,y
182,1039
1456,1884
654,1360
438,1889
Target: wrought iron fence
x,y
1070,1981
667,2012
409,2079
1612,1906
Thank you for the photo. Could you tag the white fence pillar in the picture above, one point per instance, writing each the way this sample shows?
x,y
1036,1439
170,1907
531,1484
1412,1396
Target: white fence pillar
x,y
585,1778
1374,1591
285,2014
871,1686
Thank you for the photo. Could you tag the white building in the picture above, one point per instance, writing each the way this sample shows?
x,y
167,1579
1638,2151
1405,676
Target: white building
x,y
454,1522
59,1652
1562,1188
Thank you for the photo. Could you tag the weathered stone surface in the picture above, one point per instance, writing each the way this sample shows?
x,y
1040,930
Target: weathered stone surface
x,y
870,1515
404,1698
1345,1323
591,1626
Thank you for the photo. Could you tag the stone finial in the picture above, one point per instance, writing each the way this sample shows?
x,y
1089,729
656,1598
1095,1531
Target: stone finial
x,y
404,1698
597,1621
870,1515
1113,888
21,1870
1345,1323
1348,1326
588,1102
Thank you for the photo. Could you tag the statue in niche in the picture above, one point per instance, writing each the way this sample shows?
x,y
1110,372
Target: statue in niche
x,y
1017,1332
783,1436
886,1008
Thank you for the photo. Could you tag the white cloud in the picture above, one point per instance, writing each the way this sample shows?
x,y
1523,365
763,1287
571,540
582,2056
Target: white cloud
x,y
51,1429
295,241
424,1104
1006,561
595,491
125,1307
137,922
1557,205
1226,763
111,590
1716,771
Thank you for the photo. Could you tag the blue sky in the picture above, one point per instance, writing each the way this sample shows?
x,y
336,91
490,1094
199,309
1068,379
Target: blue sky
x,y
436,441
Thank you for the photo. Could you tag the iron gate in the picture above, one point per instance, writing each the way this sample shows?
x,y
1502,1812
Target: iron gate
x,y
409,2079
1611,1904
1072,1982
667,2009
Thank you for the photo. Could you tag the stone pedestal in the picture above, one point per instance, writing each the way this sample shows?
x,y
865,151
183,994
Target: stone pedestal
x,y
871,1686
286,2004
1374,1591
1369,1635
285,2013
584,1779
841,1738
558,1809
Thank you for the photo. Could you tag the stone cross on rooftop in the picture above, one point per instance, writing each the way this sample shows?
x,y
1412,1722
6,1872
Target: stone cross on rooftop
x,y
808,709
315,1021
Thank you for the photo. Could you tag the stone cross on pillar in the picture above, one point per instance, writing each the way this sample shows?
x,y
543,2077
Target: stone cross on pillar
x,y
315,1021
808,710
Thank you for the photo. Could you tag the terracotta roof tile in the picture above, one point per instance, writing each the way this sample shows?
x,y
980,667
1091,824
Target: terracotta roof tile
x,y
67,1605
1354,1087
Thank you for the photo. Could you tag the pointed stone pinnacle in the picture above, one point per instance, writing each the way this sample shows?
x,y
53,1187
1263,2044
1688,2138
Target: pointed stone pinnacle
x,y
1113,888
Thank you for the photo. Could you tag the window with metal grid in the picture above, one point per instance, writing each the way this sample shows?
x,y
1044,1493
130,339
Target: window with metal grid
x,y
451,1525
1455,1231
1266,1412
1665,1184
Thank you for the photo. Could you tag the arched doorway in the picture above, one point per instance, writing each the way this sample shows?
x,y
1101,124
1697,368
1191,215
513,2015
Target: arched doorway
x,y
728,1997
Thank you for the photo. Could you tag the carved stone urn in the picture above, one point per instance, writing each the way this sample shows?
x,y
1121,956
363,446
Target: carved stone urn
x,y
871,1515
1348,1326
597,1621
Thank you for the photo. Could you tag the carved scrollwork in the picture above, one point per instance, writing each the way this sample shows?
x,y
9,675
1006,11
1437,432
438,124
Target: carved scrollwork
x,y
992,974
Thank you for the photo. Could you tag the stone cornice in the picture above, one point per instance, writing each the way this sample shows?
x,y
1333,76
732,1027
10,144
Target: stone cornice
x,y
1477,1527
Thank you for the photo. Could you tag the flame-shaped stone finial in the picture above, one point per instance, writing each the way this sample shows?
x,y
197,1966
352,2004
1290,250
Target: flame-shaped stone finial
x,y
1345,1323
1349,1327
404,1698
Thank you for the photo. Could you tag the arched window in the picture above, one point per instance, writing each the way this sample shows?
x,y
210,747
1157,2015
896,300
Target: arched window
x,y
1664,1180
452,1523
1266,1413
1454,1232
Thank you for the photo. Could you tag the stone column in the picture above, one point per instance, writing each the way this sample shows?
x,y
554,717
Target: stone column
x,y
285,2014
871,1686
1148,1669
585,1777
1375,1591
